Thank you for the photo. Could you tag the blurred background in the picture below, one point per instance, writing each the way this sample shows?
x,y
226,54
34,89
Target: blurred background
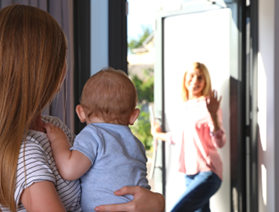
x,y
153,41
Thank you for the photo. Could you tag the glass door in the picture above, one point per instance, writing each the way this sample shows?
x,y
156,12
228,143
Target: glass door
x,y
210,33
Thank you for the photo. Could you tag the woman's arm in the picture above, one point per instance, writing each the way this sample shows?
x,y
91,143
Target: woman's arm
x,y
42,197
215,121
144,201
157,133
212,104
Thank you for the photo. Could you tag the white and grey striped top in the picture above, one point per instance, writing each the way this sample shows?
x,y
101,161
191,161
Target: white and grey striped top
x,y
40,166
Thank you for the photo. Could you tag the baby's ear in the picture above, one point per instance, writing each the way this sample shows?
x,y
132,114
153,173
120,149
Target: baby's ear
x,y
81,114
134,116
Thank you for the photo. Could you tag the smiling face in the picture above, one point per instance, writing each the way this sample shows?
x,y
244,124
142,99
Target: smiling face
x,y
195,83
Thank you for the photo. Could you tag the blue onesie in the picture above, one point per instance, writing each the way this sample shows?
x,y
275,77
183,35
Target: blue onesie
x,y
118,159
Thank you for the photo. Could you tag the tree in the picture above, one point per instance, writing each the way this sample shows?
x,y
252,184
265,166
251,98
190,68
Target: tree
x,y
137,43
141,128
145,88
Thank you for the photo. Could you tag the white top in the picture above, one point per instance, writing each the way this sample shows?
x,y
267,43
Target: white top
x,y
40,166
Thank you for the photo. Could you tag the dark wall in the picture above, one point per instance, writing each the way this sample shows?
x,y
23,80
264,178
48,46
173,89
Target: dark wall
x,y
118,34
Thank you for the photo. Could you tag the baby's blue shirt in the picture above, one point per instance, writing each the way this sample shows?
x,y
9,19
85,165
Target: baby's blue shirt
x,y
118,159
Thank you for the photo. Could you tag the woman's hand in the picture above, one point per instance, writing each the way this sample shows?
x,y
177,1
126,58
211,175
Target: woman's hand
x,y
144,201
155,128
156,131
212,102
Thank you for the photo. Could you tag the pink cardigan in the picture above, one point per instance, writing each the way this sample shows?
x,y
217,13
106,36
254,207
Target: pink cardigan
x,y
198,145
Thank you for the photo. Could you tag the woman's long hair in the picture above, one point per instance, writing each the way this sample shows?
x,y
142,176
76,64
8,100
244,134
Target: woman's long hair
x,y
207,87
32,57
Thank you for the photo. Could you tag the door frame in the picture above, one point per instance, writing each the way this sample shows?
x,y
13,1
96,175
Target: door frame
x,y
244,129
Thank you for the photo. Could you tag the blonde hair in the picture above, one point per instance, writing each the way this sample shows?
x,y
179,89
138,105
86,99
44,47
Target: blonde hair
x,y
207,87
110,95
32,57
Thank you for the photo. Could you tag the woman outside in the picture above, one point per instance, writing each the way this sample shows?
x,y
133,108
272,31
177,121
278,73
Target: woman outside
x,y
202,134
33,68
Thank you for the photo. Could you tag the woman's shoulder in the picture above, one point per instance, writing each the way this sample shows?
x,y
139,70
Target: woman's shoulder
x,y
59,123
36,164
53,120
35,140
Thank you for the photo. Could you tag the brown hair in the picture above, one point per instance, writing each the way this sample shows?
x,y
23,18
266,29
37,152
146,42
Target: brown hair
x,y
32,57
110,95
207,88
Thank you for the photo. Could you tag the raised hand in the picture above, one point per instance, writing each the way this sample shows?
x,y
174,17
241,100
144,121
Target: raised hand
x,y
212,102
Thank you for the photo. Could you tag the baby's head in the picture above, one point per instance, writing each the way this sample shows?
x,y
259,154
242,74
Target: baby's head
x,y
108,96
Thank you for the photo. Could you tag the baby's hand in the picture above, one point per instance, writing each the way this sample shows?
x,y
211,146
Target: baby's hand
x,y
54,133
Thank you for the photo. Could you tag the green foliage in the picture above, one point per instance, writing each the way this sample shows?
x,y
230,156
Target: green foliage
x,y
145,88
137,43
141,129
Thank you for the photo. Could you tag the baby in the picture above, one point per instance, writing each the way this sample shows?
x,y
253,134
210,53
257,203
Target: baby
x,y
105,155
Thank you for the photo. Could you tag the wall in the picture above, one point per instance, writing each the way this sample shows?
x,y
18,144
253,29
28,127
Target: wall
x,y
267,105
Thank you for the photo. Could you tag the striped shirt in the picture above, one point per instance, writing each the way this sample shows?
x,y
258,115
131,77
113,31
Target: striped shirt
x,y
40,166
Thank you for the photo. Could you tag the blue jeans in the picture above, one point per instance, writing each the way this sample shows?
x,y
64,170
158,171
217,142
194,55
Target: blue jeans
x,y
199,188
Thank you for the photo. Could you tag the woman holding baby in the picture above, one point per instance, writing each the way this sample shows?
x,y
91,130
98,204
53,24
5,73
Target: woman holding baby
x,y
33,67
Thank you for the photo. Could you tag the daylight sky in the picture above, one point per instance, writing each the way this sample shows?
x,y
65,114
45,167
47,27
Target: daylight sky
x,y
141,13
